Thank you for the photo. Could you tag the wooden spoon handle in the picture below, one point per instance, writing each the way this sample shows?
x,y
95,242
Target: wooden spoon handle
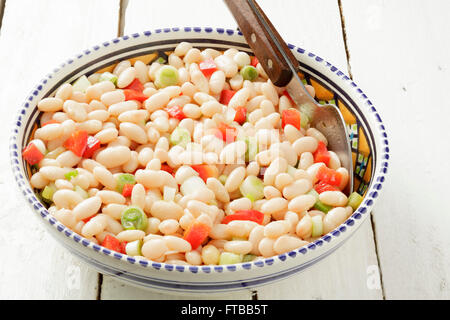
x,y
266,43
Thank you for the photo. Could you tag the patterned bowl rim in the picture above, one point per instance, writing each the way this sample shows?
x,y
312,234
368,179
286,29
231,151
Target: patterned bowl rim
x,y
369,199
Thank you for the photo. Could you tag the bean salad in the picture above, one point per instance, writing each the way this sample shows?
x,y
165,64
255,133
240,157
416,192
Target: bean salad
x,y
196,160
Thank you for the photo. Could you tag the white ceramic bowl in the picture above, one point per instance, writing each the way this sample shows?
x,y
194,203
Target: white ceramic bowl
x,y
369,142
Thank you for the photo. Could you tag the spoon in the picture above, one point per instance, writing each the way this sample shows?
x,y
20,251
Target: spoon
x,y
281,67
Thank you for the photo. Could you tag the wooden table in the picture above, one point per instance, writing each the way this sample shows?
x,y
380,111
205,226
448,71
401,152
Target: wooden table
x,y
397,51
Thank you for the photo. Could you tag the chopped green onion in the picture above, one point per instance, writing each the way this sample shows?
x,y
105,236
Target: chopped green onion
x,y
161,60
304,120
317,226
253,188
223,178
71,174
81,192
314,193
354,200
169,193
81,84
230,258
134,248
249,73
123,179
248,258
252,147
47,193
134,218
108,76
166,76
180,137
55,153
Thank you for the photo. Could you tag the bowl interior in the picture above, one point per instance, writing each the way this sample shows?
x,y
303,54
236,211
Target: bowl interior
x,y
327,92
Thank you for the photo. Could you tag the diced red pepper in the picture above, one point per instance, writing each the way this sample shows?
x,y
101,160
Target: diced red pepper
x,y
206,171
136,85
167,168
196,234
112,243
134,95
241,115
226,133
123,245
93,144
175,112
77,142
322,187
285,93
49,122
31,154
254,61
292,117
322,154
226,95
251,215
86,220
329,176
208,67
127,189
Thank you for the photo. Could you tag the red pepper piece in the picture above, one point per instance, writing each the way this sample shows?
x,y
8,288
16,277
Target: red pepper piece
x,y
136,85
322,187
77,142
322,154
251,215
254,61
226,133
127,189
292,117
112,243
86,220
93,144
134,95
206,171
175,112
196,234
241,115
31,154
226,95
208,67
329,176
167,168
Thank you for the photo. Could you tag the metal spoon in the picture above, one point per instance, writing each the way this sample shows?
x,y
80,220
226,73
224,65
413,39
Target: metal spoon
x,y
281,67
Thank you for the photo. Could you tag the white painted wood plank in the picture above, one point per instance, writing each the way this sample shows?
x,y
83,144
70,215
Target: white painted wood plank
x,y
400,56
35,37
315,26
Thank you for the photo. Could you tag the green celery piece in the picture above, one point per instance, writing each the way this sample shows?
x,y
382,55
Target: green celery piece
x,y
319,205
81,84
253,188
248,258
81,192
180,137
230,258
161,60
354,200
47,193
134,248
71,174
223,178
108,76
317,226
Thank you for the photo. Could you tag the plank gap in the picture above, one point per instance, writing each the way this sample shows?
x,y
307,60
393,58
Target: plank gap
x,y
99,286
254,295
122,11
344,37
377,255
2,10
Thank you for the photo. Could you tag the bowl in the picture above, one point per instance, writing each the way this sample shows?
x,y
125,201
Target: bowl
x,y
369,149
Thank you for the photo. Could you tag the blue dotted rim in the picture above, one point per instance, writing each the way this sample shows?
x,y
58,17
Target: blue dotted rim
x,y
371,195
